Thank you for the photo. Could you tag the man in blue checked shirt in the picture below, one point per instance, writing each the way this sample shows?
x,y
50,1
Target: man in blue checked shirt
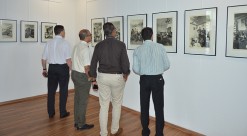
x,y
150,61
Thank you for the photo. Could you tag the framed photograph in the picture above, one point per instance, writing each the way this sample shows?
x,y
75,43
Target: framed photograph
x,y
165,30
8,30
236,37
135,24
97,30
47,31
118,23
29,31
200,31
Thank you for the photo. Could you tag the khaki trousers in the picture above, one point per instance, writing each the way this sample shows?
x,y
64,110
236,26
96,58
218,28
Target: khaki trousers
x,y
111,88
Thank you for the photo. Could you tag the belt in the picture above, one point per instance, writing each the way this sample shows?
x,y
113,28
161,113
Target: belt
x,y
112,72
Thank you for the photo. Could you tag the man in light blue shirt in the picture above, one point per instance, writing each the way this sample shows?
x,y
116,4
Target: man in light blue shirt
x,y
150,61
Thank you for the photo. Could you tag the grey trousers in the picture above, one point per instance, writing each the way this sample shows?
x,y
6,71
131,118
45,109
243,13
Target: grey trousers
x,y
82,88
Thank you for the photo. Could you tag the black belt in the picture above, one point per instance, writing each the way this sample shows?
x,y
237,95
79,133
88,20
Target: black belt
x,y
112,72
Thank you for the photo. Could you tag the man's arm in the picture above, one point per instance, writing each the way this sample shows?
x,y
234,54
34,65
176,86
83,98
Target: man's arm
x,y
43,62
69,63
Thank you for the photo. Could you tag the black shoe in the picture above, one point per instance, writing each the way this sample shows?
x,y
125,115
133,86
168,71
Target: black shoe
x,y
65,115
86,126
51,116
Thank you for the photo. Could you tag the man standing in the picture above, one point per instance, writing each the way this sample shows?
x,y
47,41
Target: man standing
x,y
113,71
81,59
150,61
57,55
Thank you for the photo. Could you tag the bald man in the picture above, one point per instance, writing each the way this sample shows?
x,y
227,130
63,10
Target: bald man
x,y
81,59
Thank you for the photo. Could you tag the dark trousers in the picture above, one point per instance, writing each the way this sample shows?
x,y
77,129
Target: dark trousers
x,y
82,88
152,84
58,74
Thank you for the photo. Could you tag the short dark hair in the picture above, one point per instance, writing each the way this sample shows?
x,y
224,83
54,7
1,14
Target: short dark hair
x,y
58,29
147,33
108,28
83,34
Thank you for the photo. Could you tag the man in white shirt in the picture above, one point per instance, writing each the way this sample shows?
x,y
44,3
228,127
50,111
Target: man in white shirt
x,y
81,59
57,55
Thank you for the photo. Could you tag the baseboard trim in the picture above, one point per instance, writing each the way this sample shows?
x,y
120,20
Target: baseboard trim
x,y
190,132
27,99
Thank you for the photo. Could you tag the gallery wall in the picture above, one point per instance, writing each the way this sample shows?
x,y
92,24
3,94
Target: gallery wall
x,y
206,94
21,61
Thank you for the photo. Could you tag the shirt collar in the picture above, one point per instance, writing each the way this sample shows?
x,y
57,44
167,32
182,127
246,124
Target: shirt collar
x,y
58,36
84,43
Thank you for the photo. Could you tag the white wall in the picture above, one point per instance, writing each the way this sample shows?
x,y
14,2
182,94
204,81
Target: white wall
x,y
206,94
20,71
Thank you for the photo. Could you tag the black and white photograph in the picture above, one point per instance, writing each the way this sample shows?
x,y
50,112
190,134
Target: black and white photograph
x,y
8,30
200,31
47,31
236,31
117,21
97,30
29,31
165,30
135,24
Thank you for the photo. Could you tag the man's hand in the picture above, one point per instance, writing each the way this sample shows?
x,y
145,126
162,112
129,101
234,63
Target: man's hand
x,y
45,73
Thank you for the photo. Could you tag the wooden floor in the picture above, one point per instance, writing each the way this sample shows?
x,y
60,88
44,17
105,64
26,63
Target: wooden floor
x,y
29,118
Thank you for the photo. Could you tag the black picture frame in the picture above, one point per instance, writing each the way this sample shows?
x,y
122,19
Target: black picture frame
x,y
118,22
8,30
236,36
165,29
97,30
200,31
135,24
47,31
29,31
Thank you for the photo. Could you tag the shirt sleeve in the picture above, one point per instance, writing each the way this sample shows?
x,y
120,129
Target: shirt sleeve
x,y
135,67
67,51
125,61
93,64
86,56
45,52
166,61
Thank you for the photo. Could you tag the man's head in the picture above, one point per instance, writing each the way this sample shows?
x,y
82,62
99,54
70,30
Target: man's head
x,y
147,33
85,35
109,29
59,30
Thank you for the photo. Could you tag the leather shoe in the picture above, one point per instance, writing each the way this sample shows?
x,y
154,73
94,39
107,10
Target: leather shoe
x,y
120,130
51,116
65,115
86,126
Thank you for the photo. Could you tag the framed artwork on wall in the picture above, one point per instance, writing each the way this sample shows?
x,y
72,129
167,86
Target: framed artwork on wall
x,y
236,37
200,31
47,31
135,24
97,30
29,31
8,30
165,30
118,21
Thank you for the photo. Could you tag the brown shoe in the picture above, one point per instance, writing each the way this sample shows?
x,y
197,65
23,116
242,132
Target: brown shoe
x,y
120,130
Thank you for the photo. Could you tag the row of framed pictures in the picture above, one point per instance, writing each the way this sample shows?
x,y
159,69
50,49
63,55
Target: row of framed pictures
x,y
200,30
28,31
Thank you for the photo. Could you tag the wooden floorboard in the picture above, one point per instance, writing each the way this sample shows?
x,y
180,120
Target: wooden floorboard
x,y
29,118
